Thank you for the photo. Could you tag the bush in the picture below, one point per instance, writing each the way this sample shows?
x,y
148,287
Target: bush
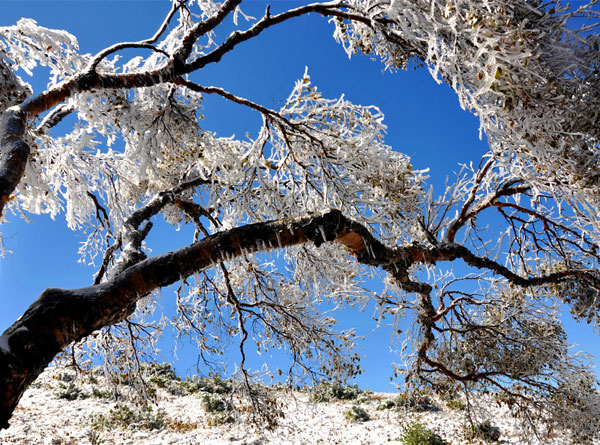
x,y
357,414
122,416
164,377
388,404
70,392
485,431
219,408
417,434
220,419
95,438
65,377
214,404
325,392
107,394
416,401
213,385
456,404
411,401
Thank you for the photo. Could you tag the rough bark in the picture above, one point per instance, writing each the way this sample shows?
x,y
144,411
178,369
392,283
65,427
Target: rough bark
x,y
13,153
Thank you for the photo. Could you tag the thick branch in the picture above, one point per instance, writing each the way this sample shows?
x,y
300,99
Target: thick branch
x,y
132,236
13,153
59,317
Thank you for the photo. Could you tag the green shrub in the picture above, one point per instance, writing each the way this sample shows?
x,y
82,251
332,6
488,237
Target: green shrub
x,y
416,434
219,408
92,380
357,414
485,431
122,416
106,394
70,392
37,384
411,401
456,404
388,404
65,377
213,385
325,392
417,401
95,438
216,385
163,376
215,404
452,401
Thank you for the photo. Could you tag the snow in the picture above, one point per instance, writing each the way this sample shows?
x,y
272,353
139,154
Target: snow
x,y
43,418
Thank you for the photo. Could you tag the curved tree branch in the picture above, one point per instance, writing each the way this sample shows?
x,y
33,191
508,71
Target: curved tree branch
x,y
59,317
331,9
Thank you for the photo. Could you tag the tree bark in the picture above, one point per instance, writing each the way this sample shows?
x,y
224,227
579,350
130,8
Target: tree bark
x,y
13,153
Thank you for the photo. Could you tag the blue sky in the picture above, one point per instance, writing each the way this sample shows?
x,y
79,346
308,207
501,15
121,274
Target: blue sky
x,y
424,121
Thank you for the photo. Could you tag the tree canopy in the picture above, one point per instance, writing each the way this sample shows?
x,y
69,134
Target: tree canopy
x,y
115,141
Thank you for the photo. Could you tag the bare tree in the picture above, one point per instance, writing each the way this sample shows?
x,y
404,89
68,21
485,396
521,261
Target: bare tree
x,y
319,185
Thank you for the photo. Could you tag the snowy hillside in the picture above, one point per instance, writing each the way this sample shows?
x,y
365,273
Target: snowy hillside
x,y
60,408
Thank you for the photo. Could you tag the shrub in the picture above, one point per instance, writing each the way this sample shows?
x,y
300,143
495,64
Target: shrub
x,y
415,401
456,404
357,414
388,404
412,401
220,419
213,385
326,392
70,392
416,434
122,416
107,394
92,380
95,438
65,377
214,404
485,431
216,385
164,377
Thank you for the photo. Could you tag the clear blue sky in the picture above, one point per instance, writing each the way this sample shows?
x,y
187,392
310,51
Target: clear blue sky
x,y
424,121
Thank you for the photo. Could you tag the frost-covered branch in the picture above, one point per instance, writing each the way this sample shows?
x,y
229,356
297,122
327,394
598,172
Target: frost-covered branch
x,y
334,8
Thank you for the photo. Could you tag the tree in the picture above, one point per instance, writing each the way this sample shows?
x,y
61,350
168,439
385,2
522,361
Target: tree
x,y
319,184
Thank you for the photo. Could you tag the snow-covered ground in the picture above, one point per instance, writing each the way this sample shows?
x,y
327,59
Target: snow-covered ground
x,y
42,417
